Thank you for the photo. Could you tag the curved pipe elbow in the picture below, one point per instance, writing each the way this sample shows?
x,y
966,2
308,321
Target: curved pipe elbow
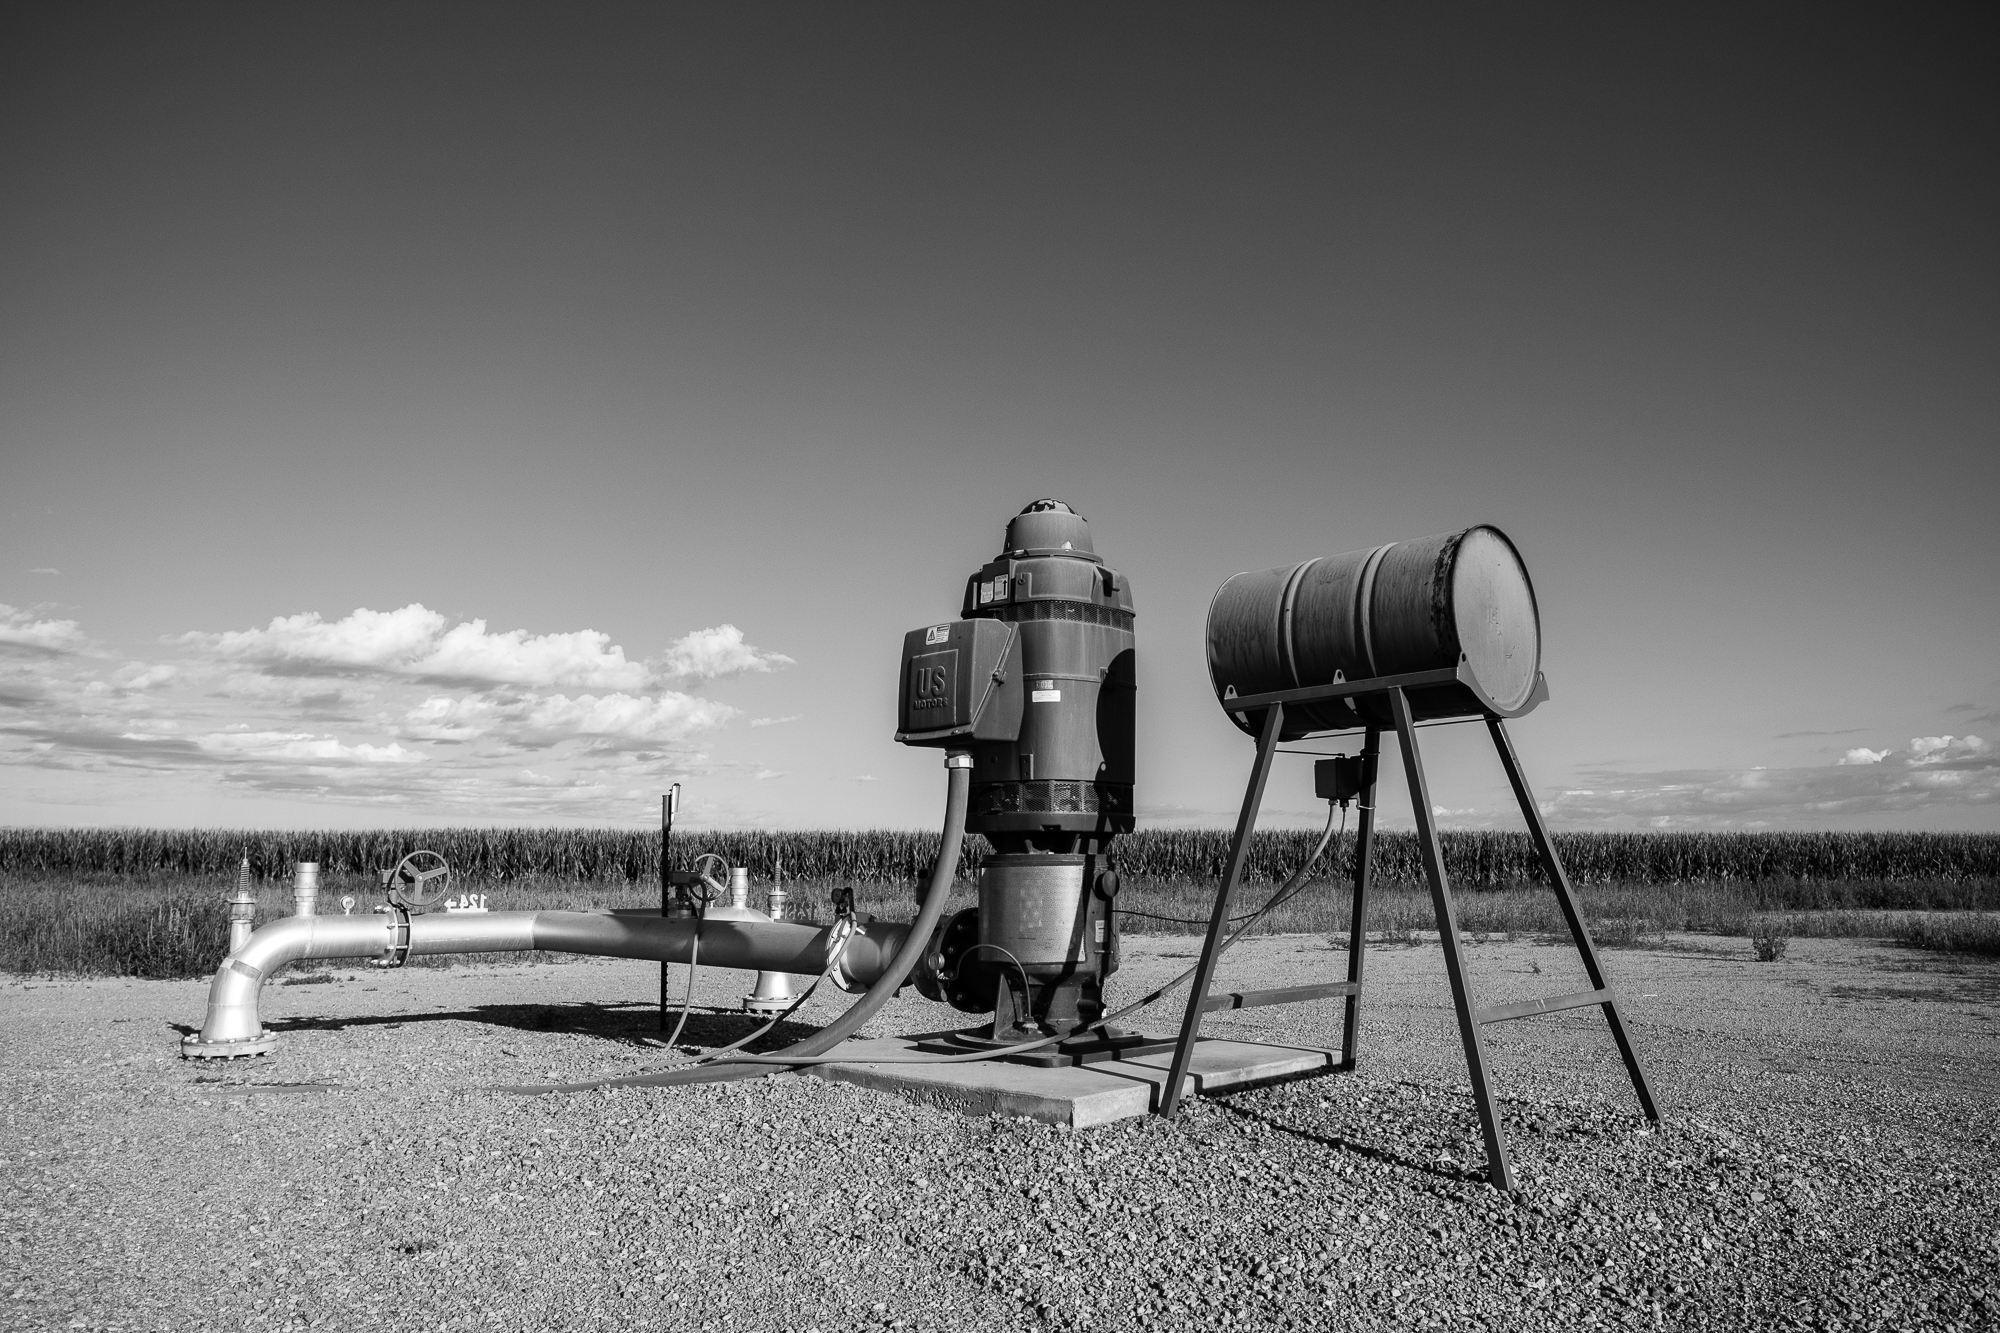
x,y
232,1020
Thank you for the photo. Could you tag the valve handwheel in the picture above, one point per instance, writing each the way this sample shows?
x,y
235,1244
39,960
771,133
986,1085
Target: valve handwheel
x,y
419,879
710,888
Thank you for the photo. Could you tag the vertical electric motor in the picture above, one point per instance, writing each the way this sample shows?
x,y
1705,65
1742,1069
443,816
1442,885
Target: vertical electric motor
x,y
1036,683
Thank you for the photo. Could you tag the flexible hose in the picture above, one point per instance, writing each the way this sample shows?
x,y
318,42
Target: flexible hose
x,y
833,961
750,1065
703,896
1288,890
687,997
958,770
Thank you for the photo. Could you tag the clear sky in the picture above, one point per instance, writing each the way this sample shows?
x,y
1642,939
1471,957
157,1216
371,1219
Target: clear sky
x,y
491,413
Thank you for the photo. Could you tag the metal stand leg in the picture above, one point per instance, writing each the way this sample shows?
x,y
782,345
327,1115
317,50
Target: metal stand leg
x,y
1357,933
1239,851
1498,1168
1559,880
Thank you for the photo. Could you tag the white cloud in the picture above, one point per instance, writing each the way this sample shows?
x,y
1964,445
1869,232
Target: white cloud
x,y
290,691
585,658
1936,772
543,720
442,718
1943,749
667,717
378,640
400,707
20,629
146,675
298,747
417,642
717,651
774,721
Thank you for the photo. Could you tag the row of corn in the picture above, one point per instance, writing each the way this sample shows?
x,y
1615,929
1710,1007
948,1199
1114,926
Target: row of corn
x,y
1474,859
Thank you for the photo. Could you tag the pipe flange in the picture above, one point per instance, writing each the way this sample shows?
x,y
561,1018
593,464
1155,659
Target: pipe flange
x,y
399,938
843,930
194,1048
767,1004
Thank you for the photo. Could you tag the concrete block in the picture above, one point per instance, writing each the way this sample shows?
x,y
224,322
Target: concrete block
x,y
1076,1096
1219,1066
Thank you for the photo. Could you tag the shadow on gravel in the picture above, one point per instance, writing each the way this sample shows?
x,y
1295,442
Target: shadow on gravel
x,y
1340,1144
631,1024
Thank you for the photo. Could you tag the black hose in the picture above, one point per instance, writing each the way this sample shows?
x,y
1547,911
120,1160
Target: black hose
x,y
1285,893
774,1063
958,769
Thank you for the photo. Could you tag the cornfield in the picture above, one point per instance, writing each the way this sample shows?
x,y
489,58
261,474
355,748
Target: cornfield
x,y
1475,860
149,903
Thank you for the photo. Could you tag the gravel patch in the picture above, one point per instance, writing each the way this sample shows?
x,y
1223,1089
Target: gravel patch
x,y
1828,1162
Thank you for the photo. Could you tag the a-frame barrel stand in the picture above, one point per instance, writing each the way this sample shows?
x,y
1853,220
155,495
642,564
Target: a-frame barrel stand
x,y
1472,1017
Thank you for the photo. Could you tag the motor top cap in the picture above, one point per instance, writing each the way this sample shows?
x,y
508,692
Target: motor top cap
x,y
1049,527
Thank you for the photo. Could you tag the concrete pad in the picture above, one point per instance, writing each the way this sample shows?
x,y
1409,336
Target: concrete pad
x,y
1078,1096
1219,1066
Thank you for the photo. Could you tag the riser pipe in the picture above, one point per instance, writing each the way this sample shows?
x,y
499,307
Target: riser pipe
x,y
233,1027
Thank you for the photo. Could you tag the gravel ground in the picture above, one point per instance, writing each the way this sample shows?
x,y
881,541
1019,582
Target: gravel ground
x,y
1828,1161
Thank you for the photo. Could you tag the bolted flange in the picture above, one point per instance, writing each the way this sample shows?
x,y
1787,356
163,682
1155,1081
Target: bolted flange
x,y
194,1048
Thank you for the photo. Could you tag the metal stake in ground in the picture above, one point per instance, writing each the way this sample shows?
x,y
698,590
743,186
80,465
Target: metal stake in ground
x,y
668,804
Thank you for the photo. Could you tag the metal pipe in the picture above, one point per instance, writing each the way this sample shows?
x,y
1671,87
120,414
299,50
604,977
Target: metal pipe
x,y
773,992
305,888
242,908
232,1025
916,938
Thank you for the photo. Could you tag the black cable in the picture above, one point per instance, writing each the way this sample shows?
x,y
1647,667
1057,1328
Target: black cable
x,y
811,1051
1026,989
702,900
687,998
1245,916
780,1060
708,1057
800,1055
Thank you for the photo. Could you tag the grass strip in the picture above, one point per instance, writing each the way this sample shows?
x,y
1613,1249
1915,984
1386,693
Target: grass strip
x,y
177,926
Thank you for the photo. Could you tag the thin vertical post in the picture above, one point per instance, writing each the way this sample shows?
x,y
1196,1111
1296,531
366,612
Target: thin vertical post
x,y
1552,866
1239,851
1498,1169
668,801
1357,932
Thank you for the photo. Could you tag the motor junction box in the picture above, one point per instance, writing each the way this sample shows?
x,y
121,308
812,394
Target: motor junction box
x,y
961,683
